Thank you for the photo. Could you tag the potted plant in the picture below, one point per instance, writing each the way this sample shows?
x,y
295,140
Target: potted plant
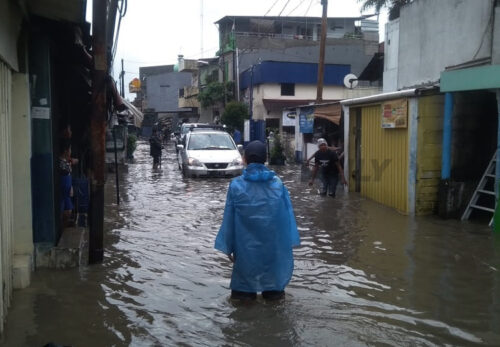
x,y
277,155
131,145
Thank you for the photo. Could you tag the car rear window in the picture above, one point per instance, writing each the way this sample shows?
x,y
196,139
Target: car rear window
x,y
210,141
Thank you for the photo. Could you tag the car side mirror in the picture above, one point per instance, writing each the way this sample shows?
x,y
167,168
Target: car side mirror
x,y
180,147
240,148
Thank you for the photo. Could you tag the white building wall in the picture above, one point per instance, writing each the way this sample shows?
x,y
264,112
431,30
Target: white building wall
x,y
10,24
6,193
391,56
302,92
21,182
436,34
495,59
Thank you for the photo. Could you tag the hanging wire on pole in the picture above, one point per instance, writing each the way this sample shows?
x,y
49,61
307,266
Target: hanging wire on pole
x,y
284,8
271,7
122,12
296,7
308,8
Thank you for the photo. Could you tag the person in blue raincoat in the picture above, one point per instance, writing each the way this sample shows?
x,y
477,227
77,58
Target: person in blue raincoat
x,y
258,230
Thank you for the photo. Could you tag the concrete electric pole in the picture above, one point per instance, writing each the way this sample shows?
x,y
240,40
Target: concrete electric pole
x,y
321,64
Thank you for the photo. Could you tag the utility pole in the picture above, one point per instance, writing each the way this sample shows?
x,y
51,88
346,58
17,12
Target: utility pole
x,y
201,28
122,80
321,65
237,76
98,131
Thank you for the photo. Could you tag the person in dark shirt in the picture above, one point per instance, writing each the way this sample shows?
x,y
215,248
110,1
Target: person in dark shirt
x,y
328,165
237,136
64,166
155,147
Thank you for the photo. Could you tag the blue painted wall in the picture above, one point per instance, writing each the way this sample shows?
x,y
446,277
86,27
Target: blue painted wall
x,y
43,177
299,73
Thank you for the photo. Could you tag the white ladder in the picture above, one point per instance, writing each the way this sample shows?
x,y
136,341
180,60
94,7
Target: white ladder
x,y
488,176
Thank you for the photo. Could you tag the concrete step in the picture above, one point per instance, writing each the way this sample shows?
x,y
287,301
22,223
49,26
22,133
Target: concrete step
x,y
71,251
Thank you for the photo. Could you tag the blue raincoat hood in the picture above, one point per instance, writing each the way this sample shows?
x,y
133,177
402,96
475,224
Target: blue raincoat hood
x,y
257,173
259,229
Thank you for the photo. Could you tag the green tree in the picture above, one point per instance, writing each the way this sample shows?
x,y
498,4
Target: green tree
x,y
234,115
215,93
277,155
394,6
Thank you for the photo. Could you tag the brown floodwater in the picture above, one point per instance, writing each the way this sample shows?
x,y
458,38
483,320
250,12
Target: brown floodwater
x,y
364,275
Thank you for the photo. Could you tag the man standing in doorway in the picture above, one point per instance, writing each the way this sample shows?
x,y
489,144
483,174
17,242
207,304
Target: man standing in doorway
x,y
327,162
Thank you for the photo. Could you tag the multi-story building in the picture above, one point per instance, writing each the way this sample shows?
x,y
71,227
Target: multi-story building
x,y
159,95
250,40
45,97
442,77
274,60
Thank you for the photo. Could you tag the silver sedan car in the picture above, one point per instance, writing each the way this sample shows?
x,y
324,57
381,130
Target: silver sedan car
x,y
210,153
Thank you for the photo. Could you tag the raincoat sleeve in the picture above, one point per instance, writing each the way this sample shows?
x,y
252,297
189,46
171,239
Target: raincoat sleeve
x,y
294,233
224,241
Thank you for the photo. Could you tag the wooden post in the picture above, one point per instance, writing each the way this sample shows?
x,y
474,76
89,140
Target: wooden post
x,y
98,132
321,65
122,84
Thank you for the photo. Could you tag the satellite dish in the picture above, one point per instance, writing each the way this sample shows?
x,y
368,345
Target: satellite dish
x,y
350,81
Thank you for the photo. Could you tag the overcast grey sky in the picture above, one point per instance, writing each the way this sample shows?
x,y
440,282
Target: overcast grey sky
x,y
154,32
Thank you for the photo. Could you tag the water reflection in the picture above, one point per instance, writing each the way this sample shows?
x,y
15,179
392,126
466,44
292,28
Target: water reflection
x,y
364,275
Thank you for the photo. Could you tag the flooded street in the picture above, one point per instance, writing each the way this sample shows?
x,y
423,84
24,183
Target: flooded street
x,y
364,275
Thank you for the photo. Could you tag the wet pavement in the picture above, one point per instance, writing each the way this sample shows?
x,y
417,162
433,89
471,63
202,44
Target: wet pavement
x,y
364,275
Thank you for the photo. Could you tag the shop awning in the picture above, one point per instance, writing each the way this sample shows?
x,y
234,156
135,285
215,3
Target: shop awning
x,y
280,104
329,112
136,116
474,78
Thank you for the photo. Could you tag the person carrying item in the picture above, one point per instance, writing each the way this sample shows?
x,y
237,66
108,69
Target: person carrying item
x,y
327,163
64,166
258,230
155,147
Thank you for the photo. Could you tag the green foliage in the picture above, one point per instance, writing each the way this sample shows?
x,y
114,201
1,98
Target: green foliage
x,y
212,77
215,93
394,6
277,155
131,145
234,115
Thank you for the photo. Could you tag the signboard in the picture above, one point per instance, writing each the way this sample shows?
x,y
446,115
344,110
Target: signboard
x,y
395,114
289,118
40,112
134,86
306,120
246,131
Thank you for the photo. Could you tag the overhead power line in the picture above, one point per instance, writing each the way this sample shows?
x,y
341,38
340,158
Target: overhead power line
x,y
270,8
288,1
308,8
296,7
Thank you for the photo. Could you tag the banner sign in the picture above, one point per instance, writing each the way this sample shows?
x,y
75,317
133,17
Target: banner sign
x,y
289,118
134,86
306,120
395,114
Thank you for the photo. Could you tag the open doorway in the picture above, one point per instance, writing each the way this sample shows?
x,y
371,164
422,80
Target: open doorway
x,y
474,142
